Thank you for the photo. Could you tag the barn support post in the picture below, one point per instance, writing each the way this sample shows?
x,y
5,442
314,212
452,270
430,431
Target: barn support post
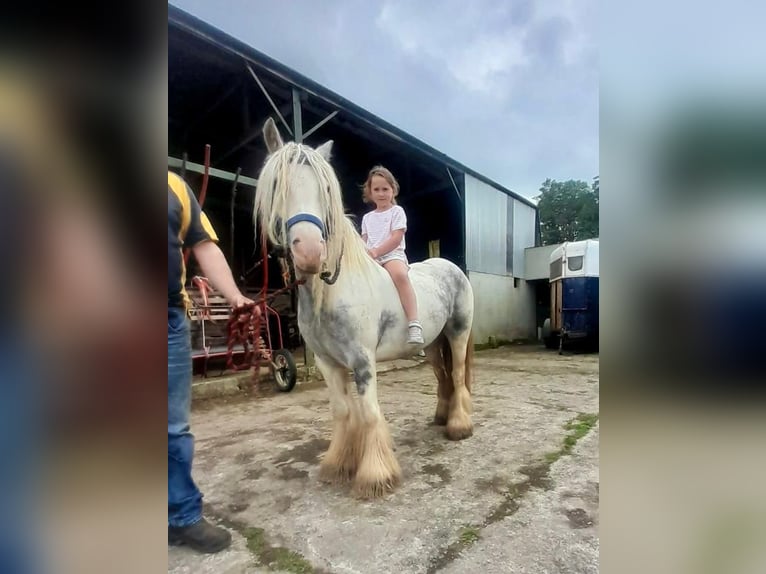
x,y
231,216
308,355
297,117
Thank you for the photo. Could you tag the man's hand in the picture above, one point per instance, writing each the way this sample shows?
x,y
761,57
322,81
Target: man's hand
x,y
373,253
239,300
216,269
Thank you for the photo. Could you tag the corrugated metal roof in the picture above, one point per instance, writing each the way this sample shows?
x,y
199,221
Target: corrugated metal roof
x,y
185,21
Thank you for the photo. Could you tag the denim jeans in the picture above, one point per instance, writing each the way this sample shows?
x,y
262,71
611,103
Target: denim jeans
x,y
184,498
23,428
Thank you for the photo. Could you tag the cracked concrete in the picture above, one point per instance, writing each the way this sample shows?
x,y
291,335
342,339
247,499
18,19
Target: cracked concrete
x,y
492,503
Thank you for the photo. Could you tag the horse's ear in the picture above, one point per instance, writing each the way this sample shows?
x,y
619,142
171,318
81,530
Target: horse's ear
x,y
271,136
325,150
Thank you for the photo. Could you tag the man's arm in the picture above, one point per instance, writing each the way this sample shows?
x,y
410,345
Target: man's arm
x,y
216,269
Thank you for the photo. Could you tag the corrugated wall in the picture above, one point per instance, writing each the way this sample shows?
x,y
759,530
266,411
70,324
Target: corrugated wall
x,y
486,216
498,230
523,235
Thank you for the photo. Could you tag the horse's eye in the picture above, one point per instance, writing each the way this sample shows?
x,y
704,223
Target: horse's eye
x,y
296,241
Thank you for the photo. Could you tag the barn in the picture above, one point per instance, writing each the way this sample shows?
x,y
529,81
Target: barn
x,y
220,92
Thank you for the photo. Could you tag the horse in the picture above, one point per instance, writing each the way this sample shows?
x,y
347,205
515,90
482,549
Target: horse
x,y
351,317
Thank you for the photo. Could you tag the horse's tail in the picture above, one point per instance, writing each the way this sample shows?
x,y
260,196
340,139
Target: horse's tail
x,y
446,358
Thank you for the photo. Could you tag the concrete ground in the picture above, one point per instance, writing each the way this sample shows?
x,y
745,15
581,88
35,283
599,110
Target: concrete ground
x,y
521,495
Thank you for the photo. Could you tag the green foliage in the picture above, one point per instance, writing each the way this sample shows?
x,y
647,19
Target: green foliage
x,y
578,427
468,535
568,210
275,557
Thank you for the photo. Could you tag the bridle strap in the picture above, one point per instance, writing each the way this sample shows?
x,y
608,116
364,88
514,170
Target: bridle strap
x,y
327,277
309,219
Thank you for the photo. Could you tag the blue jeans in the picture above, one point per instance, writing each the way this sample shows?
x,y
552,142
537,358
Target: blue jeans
x,y
184,498
23,392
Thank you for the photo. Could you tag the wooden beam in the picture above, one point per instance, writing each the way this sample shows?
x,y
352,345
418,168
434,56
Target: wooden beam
x,y
213,172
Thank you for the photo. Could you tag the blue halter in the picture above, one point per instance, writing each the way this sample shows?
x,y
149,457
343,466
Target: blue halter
x,y
325,276
308,218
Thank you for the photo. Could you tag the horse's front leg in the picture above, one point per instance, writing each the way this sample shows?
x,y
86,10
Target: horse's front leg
x,y
340,461
378,470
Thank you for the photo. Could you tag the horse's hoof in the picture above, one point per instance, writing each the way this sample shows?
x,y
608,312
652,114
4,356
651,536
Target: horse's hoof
x,y
369,485
365,490
440,420
459,432
336,474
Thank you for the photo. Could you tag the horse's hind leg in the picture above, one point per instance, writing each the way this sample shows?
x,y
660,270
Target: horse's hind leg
x,y
439,357
459,425
342,457
378,470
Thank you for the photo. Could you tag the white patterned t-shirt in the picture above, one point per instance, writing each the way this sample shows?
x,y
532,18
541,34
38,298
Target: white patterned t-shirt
x,y
378,225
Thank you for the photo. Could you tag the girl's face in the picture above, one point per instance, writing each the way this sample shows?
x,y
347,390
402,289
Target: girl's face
x,y
381,191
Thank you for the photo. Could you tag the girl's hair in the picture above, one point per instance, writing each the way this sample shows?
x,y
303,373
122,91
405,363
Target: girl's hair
x,y
385,174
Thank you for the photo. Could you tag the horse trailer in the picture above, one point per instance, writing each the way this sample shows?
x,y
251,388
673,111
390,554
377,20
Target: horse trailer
x,y
573,279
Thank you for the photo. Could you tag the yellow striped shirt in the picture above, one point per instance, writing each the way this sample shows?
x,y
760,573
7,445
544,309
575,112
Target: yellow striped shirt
x,y
187,226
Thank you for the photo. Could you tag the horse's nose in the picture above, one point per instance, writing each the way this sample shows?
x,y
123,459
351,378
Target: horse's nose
x,y
308,254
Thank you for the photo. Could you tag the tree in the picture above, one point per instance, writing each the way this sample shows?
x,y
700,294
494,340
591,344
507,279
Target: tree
x,y
568,210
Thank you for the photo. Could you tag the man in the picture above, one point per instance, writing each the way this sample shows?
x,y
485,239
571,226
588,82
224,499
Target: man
x,y
188,227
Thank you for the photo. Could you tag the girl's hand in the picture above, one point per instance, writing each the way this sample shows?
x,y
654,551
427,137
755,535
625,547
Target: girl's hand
x,y
373,253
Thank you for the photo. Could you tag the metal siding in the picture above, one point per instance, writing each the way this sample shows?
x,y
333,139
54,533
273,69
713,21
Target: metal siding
x,y
523,235
486,214
509,237
537,262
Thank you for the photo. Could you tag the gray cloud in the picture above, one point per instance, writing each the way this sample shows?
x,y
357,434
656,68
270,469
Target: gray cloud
x,y
508,88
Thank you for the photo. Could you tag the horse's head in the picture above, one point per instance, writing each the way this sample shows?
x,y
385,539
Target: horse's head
x,y
297,199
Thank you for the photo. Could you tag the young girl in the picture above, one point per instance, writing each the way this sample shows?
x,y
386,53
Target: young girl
x,y
383,232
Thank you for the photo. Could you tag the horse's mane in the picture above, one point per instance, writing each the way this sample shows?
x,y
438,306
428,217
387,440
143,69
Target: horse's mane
x,y
271,198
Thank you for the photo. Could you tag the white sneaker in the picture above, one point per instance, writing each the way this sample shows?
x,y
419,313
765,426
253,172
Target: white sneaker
x,y
415,333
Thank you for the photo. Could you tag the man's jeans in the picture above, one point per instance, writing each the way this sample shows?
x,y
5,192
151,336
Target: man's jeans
x,y
184,498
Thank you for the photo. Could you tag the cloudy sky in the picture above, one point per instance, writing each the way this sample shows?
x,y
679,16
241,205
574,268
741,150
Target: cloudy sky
x,y
507,87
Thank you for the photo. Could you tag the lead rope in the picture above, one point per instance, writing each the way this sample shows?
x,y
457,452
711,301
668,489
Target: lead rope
x,y
325,275
244,328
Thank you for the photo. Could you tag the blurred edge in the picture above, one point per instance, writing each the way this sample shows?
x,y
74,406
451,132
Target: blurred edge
x,y
81,135
83,138
683,243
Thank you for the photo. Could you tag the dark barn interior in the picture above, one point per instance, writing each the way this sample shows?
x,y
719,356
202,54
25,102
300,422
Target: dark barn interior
x,y
218,96
220,93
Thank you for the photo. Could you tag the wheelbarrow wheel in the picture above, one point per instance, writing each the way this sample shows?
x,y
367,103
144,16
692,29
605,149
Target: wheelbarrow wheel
x,y
283,370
